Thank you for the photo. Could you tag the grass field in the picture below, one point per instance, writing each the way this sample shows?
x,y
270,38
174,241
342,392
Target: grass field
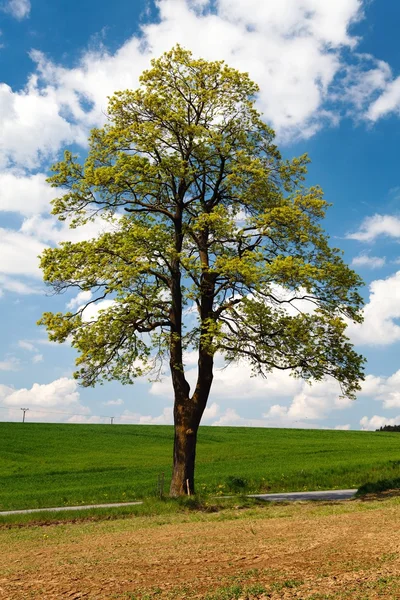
x,y
55,465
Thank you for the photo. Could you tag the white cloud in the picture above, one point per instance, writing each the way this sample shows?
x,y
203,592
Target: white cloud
x,y
79,300
234,382
25,194
375,226
380,314
91,313
211,411
231,418
387,103
37,358
20,250
9,364
32,126
365,79
61,392
51,231
118,402
370,262
19,9
25,345
292,402
383,389
10,284
376,422
19,254
86,419
312,402
292,48
56,401
343,427
165,418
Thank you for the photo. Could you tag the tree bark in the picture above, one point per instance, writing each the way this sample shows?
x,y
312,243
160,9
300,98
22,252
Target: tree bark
x,y
189,410
186,425
187,417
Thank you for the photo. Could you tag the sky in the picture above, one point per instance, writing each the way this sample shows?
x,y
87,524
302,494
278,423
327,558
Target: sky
x,y
329,77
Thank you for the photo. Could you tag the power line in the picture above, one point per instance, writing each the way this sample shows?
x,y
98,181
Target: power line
x,y
49,412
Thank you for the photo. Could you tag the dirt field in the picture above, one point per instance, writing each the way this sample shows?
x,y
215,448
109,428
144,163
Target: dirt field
x,y
348,550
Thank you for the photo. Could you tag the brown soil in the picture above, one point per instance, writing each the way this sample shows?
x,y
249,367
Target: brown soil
x,y
303,552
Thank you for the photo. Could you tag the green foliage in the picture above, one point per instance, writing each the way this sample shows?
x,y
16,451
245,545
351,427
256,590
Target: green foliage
x,y
56,465
237,484
391,428
199,208
382,485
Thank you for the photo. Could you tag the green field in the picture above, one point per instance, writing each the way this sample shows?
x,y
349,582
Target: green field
x,y
55,465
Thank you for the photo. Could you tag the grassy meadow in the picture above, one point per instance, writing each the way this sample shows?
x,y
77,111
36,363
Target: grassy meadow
x,y
59,465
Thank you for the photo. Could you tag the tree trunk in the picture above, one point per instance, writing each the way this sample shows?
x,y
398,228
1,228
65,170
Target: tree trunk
x,y
187,417
189,410
186,421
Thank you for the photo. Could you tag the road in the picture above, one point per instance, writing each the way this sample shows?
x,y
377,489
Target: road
x,y
296,496
54,508
284,497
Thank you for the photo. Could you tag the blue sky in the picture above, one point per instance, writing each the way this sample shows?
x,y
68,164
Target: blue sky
x,y
329,76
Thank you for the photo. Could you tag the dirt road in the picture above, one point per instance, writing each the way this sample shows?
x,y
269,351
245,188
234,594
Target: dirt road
x,y
325,551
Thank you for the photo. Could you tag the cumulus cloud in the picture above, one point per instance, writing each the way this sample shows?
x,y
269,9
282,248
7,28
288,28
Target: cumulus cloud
x,y
91,313
383,389
165,418
20,249
88,420
289,402
380,314
370,262
387,103
231,418
234,382
25,194
312,402
32,126
19,253
375,422
54,401
292,49
61,392
19,9
211,411
376,226
79,300
51,231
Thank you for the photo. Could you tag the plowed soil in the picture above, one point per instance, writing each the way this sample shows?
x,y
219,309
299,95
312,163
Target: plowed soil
x,y
307,551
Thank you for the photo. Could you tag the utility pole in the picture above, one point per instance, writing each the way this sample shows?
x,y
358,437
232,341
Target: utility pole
x,y
112,420
23,416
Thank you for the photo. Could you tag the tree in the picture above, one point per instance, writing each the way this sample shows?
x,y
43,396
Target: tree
x,y
392,428
200,210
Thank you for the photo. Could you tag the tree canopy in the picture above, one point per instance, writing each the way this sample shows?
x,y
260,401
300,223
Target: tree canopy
x,y
211,243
